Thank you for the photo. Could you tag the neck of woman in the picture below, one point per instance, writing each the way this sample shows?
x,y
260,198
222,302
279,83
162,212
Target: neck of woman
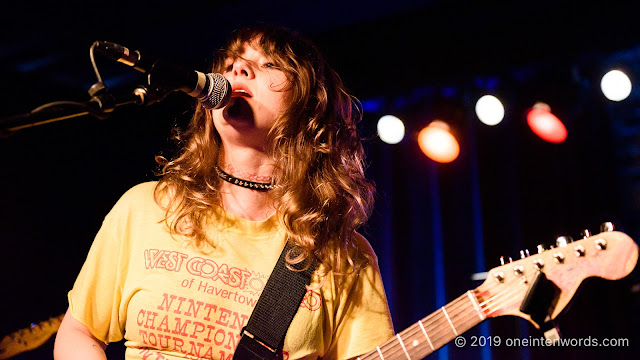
x,y
245,202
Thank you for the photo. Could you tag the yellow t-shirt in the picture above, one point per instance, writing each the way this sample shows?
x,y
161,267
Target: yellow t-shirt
x,y
170,300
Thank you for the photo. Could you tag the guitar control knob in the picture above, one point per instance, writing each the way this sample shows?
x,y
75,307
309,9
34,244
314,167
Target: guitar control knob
x,y
579,250
558,257
606,227
601,244
540,249
585,233
562,241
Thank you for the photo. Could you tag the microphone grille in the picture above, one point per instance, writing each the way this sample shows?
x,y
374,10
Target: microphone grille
x,y
219,92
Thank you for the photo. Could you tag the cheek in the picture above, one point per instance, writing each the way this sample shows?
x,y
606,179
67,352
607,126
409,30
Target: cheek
x,y
284,94
283,101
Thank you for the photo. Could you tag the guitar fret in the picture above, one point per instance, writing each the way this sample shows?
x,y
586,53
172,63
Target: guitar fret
x,y
474,301
426,336
449,320
379,352
403,348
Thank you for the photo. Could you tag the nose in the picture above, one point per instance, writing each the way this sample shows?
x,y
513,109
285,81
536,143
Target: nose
x,y
242,68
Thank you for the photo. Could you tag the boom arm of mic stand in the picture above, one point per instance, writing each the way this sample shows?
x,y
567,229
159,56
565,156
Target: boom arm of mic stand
x,y
100,106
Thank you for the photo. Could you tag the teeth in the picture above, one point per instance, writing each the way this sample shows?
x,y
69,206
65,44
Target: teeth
x,y
241,93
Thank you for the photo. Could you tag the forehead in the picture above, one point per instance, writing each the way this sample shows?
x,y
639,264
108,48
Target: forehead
x,y
247,51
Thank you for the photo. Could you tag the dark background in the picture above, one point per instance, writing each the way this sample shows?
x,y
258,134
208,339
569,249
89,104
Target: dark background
x,y
435,224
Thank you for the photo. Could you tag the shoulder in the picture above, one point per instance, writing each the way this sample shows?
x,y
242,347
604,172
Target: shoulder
x,y
140,191
363,244
138,198
361,260
363,254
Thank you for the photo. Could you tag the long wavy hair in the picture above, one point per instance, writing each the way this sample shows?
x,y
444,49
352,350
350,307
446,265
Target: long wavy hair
x,y
321,190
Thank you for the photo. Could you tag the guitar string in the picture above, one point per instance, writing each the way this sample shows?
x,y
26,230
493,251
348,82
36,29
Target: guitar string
x,y
492,304
497,300
451,307
414,332
393,342
507,301
493,299
437,338
434,336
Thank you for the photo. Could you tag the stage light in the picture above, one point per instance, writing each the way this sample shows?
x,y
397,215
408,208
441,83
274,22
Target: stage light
x,y
437,142
545,124
390,129
615,85
489,110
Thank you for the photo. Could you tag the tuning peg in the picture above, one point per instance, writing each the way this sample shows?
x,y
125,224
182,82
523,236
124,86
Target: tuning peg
x,y
540,249
518,270
538,263
585,233
501,260
562,241
579,250
522,256
558,257
606,227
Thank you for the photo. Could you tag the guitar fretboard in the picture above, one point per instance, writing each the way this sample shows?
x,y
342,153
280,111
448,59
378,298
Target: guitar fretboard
x,y
432,332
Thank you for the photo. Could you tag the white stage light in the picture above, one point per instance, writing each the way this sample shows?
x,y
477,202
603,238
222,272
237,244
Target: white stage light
x,y
615,85
390,129
489,110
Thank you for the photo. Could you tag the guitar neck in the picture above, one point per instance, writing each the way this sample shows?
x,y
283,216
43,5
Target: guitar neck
x,y
611,255
432,332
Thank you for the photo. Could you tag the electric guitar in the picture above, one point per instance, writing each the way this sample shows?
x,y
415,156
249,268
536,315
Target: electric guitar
x,y
29,338
536,288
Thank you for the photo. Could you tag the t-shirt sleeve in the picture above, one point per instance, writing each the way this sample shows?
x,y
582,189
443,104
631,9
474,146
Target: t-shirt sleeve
x,y
363,319
96,295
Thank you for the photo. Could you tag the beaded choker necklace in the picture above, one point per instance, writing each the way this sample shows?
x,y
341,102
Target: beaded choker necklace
x,y
244,183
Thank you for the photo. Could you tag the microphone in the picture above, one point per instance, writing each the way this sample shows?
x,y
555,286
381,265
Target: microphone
x,y
212,90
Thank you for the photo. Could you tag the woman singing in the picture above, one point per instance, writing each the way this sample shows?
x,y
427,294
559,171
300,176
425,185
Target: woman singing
x,y
178,264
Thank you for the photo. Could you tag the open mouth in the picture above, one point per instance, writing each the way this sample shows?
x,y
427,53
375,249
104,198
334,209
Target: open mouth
x,y
240,93
239,108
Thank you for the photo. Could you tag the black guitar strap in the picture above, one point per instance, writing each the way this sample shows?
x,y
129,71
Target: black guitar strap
x,y
263,336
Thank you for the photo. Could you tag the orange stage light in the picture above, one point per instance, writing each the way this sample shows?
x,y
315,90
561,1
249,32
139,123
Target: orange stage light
x,y
437,142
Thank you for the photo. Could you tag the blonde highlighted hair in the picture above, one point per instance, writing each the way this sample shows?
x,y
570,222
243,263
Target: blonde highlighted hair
x,y
322,193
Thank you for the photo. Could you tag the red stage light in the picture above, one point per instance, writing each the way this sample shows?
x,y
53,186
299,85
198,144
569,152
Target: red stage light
x,y
545,124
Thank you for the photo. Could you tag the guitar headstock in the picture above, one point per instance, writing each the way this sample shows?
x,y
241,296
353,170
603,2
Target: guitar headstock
x,y
29,338
610,255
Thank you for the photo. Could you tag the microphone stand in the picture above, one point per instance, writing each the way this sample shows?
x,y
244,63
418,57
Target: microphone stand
x,y
101,105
